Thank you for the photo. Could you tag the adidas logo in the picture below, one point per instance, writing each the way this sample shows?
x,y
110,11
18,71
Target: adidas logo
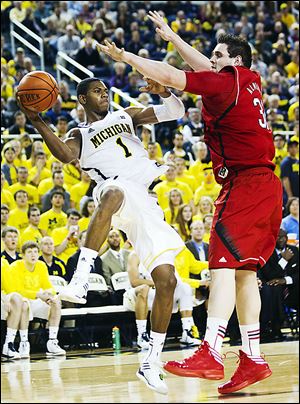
x,y
91,130
123,117
223,259
83,259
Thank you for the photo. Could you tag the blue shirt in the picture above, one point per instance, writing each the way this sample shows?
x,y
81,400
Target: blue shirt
x,y
291,225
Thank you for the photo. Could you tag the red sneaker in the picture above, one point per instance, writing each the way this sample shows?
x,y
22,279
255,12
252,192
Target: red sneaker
x,y
201,364
248,372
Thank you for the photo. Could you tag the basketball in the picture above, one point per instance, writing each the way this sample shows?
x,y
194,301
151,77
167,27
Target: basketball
x,y
38,89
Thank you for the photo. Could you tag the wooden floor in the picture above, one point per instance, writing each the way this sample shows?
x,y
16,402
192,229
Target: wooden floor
x,y
109,378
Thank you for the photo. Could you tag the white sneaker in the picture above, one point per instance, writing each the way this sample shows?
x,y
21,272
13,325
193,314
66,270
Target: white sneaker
x,y
53,349
9,351
189,339
152,375
143,341
76,290
24,349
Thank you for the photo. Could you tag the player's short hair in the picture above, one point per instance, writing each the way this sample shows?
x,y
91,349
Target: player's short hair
x,y
237,46
29,244
83,86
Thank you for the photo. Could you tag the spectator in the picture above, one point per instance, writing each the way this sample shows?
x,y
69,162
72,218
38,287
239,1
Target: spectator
x,y
16,313
10,237
153,152
39,171
46,184
20,159
291,222
31,280
55,265
99,32
32,232
58,184
20,126
4,218
202,161
18,216
17,12
163,188
280,151
204,206
175,201
90,58
22,184
193,130
86,213
182,174
146,138
7,167
209,186
55,217
119,78
61,127
115,259
79,118
78,191
66,238
179,150
6,196
196,245
207,221
119,37
290,170
57,111
183,221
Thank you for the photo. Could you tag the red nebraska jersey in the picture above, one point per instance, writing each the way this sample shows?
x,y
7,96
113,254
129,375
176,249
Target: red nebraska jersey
x,y
236,129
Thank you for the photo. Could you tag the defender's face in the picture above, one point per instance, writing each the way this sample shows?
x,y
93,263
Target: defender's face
x,y
96,98
220,58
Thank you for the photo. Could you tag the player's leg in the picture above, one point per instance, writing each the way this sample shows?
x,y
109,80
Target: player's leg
x,y
184,297
206,361
12,320
165,281
141,314
252,367
110,202
54,319
24,349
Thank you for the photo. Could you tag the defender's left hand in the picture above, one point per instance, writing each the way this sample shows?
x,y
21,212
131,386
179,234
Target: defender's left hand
x,y
153,87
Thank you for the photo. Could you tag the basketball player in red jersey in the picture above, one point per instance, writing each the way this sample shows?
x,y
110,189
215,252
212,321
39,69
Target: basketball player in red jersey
x,y
249,207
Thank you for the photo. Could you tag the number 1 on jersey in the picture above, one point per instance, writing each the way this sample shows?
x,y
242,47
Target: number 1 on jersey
x,y
120,143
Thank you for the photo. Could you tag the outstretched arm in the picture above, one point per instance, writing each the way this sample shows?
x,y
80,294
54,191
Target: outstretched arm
x,y
190,55
64,151
161,72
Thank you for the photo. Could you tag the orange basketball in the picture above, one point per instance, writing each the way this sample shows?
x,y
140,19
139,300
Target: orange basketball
x,y
39,90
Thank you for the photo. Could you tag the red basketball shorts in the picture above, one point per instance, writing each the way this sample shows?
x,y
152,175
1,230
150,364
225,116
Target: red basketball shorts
x,y
246,221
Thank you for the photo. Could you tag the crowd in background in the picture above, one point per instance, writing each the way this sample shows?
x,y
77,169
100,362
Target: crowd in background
x,y
44,201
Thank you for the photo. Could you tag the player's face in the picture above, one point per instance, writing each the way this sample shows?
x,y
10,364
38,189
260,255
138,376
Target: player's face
x,y
220,58
97,97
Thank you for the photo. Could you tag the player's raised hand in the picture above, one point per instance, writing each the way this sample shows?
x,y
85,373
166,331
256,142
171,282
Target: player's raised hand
x,y
162,27
111,50
30,112
152,87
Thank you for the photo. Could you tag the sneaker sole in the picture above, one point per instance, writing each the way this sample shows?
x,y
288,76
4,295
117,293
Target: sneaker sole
x,y
202,374
71,298
55,354
10,357
241,386
143,379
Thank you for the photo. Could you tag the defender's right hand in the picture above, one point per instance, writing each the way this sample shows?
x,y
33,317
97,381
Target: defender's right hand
x,y
163,28
111,50
30,112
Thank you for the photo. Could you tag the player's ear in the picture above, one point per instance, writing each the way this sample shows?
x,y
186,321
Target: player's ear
x,y
82,99
238,61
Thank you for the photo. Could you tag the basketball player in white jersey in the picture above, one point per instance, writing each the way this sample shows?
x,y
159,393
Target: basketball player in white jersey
x,y
113,156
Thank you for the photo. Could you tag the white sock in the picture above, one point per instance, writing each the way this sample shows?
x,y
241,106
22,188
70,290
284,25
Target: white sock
x,y
86,259
23,335
53,332
187,323
215,332
156,345
250,339
141,326
10,335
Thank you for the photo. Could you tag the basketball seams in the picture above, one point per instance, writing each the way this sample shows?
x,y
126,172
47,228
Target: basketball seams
x,y
40,78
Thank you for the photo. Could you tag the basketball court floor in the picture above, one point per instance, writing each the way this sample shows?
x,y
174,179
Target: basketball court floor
x,y
105,377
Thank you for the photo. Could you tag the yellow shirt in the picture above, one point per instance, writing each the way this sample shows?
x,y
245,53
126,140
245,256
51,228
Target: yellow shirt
x,y
31,234
189,180
45,186
288,19
18,218
8,199
211,190
292,69
83,223
45,173
33,197
71,174
51,220
186,263
28,283
291,111
6,281
206,238
77,191
58,236
163,188
197,171
280,154
168,215
18,162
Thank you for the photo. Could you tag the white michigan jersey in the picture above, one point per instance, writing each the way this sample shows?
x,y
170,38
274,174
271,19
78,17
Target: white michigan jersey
x,y
111,149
